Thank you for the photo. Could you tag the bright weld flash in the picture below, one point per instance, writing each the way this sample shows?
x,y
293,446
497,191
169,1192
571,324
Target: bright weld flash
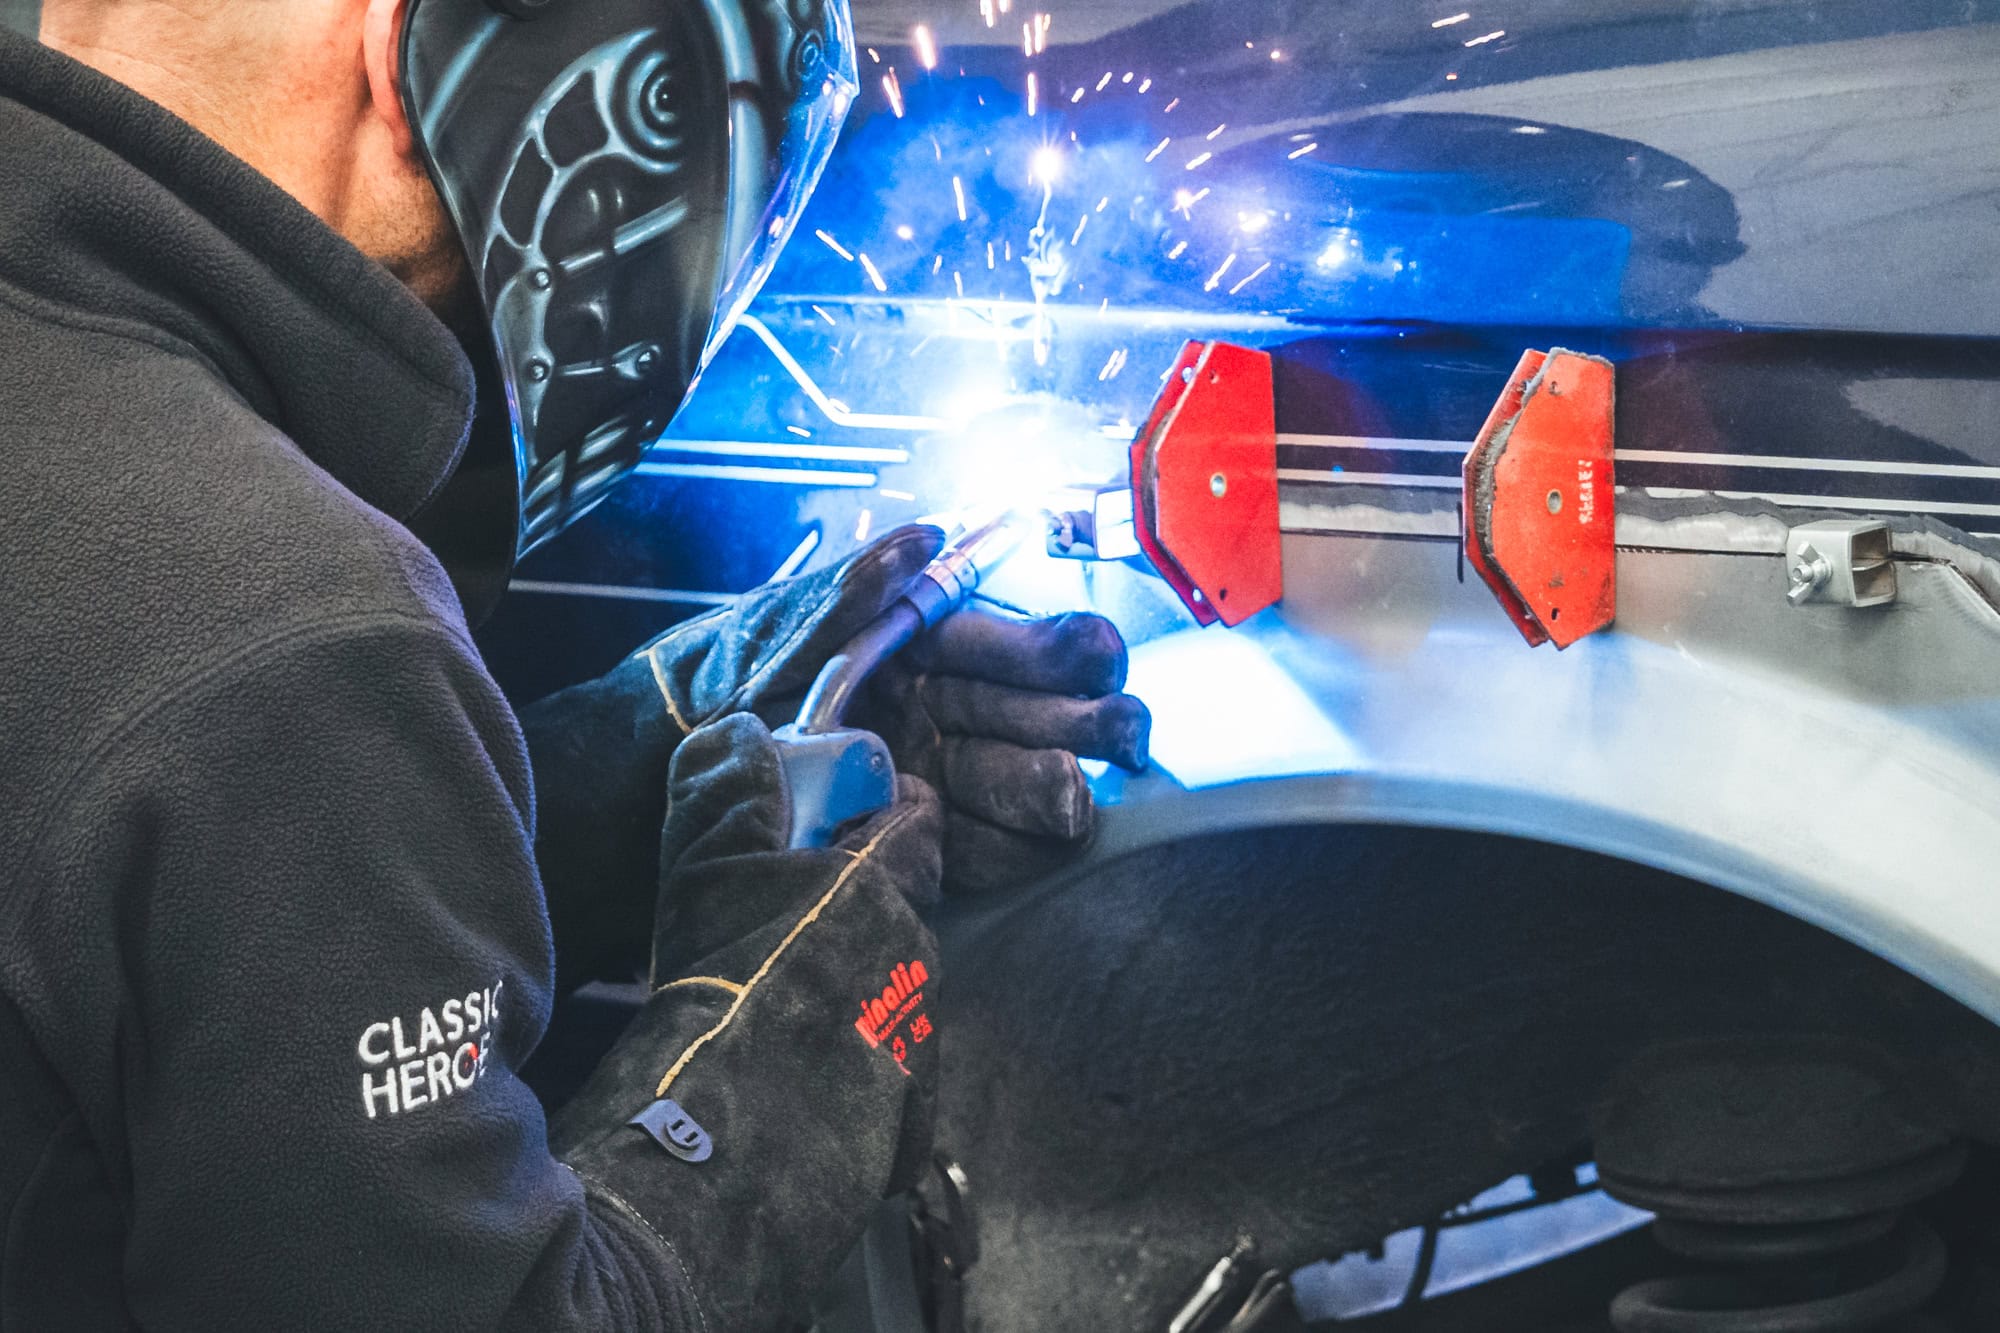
x,y
1045,167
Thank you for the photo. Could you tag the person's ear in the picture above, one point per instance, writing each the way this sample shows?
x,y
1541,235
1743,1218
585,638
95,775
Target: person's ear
x,y
381,53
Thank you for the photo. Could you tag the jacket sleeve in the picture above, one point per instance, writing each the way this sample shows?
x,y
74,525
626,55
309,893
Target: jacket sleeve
x,y
296,951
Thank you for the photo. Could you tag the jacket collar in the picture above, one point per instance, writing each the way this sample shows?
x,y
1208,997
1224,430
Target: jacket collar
x,y
116,211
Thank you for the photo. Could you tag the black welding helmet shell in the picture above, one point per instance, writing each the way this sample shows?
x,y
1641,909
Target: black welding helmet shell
x,y
623,174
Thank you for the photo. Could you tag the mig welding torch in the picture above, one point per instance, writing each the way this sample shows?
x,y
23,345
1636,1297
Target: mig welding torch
x,y
836,773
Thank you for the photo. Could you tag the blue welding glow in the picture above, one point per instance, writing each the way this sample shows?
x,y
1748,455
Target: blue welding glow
x,y
1224,712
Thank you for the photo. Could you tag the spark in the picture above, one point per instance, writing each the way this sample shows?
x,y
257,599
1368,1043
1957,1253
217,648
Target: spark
x,y
1158,148
834,246
958,194
1104,82
1449,78
1171,105
989,256
1199,160
926,47
1177,251
1143,86
1489,37
1006,6
1297,153
937,265
872,56
1127,78
958,283
906,233
986,11
1081,223
1529,129
800,431
1027,39
1101,203
1680,184
864,525
1216,133
1032,93
1112,366
896,495
874,275
894,89
1215,278
1253,222
822,314
797,559
1252,278
1455,18
1076,97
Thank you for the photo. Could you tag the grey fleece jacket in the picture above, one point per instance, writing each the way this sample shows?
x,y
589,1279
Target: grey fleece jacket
x,y
272,938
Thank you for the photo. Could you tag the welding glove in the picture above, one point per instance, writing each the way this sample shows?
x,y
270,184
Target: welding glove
x,y
791,1032
994,711
600,750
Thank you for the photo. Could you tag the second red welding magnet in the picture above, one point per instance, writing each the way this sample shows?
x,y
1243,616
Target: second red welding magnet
x,y
1540,511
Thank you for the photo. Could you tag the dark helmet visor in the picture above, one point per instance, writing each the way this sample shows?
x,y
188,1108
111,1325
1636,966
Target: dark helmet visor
x,y
623,174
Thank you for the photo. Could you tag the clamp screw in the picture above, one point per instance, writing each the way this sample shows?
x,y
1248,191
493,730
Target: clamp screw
x,y
1808,576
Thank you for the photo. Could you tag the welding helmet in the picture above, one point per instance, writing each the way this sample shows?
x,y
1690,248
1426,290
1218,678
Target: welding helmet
x,y
623,174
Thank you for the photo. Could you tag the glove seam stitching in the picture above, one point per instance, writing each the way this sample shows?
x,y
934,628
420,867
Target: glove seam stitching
x,y
626,1206
666,694
733,987
680,1065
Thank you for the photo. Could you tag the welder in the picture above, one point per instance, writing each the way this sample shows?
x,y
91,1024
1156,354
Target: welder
x,y
279,921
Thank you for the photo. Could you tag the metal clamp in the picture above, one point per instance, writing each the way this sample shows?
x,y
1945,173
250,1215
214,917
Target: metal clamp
x,y
1847,561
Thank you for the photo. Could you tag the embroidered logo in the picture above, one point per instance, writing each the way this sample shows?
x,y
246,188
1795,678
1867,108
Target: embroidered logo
x,y
883,1016
440,1054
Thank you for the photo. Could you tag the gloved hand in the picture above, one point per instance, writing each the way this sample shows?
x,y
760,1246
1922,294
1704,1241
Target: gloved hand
x,y
994,711
798,1048
600,750
991,711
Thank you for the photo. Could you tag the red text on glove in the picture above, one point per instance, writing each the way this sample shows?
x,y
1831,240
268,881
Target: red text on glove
x,y
882,1014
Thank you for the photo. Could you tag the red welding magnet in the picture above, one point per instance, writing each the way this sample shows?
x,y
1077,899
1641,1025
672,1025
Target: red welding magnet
x,y
1205,483
1540,519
